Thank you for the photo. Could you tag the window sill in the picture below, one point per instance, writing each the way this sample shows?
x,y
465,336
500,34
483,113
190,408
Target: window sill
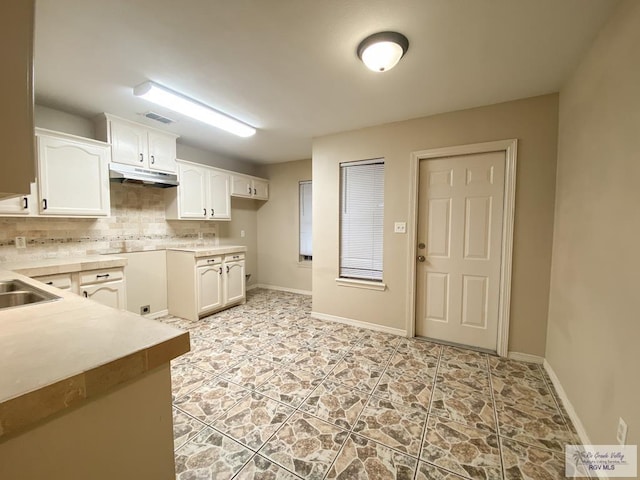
x,y
350,282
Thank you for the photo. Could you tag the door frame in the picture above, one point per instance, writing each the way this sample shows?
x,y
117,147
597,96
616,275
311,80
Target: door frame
x,y
510,148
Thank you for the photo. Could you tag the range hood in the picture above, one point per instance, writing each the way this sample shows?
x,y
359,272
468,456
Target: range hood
x,y
130,174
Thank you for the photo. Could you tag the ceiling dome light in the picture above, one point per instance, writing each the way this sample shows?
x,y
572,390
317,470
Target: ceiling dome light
x,y
382,51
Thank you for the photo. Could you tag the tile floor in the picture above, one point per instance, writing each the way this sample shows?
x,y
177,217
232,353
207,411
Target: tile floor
x,y
267,392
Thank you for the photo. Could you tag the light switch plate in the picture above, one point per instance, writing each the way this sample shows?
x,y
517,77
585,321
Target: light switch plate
x,y
21,242
400,227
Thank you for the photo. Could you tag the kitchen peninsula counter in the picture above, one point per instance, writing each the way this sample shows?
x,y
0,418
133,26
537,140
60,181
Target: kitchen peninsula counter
x,y
57,355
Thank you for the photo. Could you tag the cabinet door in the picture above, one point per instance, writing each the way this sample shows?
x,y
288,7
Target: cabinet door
x,y
260,189
162,152
209,284
21,205
73,177
111,294
128,143
192,197
241,186
219,199
235,283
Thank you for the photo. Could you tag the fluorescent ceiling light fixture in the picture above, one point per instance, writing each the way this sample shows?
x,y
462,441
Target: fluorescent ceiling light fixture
x,y
382,51
191,108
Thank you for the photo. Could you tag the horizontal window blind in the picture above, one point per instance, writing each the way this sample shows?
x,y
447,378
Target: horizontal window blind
x,y
361,219
305,219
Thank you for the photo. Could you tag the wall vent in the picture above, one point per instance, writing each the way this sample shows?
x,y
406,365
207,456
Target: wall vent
x,y
158,118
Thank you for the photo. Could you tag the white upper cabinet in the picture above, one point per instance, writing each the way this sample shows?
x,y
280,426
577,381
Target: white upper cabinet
x,y
19,206
241,186
138,145
219,196
249,187
192,191
162,152
73,175
203,193
260,189
128,143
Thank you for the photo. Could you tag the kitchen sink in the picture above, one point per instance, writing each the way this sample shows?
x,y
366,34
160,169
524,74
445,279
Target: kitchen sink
x,y
16,293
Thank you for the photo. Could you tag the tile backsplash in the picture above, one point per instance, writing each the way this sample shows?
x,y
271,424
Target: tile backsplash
x,y
137,223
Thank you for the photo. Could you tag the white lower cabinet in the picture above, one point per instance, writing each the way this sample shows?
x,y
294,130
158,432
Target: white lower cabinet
x,y
209,286
235,283
63,281
199,286
105,286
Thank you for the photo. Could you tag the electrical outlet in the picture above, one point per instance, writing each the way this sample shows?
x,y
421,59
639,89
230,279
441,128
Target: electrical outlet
x,y
21,242
242,233
145,309
621,434
199,235
400,227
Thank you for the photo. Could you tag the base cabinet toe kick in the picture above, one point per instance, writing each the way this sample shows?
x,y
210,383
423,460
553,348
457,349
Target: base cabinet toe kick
x,y
199,285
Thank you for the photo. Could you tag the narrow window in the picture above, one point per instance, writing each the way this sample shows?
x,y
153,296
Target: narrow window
x,y
306,254
361,219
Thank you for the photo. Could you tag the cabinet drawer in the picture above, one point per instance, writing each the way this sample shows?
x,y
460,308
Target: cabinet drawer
x,y
204,261
100,276
61,280
234,257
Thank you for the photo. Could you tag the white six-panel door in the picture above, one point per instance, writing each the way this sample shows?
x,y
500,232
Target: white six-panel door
x,y
459,247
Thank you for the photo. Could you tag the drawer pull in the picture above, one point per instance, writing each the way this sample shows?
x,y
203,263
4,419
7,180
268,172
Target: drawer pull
x,y
106,275
49,283
220,271
227,268
86,295
26,203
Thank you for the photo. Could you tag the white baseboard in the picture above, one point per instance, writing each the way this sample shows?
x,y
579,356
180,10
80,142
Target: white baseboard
x,y
358,323
155,315
582,433
525,357
280,289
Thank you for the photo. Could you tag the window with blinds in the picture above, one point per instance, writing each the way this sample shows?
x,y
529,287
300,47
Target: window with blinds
x,y
305,221
361,219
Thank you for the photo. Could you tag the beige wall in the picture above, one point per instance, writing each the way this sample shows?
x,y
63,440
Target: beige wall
x,y
60,121
243,217
594,327
278,226
532,121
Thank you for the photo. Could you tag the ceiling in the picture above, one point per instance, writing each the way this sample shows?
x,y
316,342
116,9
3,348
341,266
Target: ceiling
x,y
289,67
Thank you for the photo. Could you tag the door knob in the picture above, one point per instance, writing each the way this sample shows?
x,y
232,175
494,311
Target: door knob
x,y
421,245
421,258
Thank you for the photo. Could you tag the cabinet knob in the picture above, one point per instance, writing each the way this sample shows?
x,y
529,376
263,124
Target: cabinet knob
x,y
86,295
212,212
227,268
153,159
205,211
141,157
44,203
26,202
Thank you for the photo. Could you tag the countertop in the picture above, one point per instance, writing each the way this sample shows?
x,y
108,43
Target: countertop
x,y
52,266
211,251
58,354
